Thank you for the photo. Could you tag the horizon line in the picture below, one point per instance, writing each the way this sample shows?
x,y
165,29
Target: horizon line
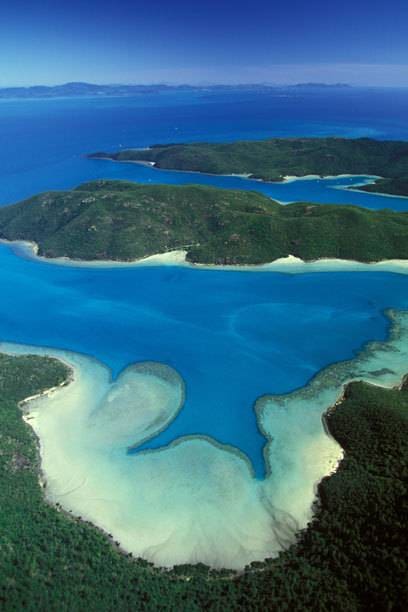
x,y
201,85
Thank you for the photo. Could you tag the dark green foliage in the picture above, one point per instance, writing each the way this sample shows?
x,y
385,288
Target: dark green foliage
x,y
353,556
395,186
28,375
275,158
125,221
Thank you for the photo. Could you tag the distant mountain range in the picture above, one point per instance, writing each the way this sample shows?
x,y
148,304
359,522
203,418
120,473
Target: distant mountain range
x,y
78,89
320,85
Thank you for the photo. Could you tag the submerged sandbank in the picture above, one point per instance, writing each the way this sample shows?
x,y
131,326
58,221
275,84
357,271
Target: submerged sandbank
x,y
195,500
289,265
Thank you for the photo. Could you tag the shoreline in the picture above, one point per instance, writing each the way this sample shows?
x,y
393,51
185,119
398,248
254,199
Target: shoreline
x,y
375,193
323,177
327,388
245,175
290,265
44,483
23,405
315,457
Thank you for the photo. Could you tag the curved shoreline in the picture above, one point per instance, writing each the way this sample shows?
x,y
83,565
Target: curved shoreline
x,y
23,406
374,193
371,179
328,386
58,503
318,454
243,175
289,265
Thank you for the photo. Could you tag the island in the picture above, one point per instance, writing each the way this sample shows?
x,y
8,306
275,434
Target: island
x,y
123,221
79,89
51,559
276,158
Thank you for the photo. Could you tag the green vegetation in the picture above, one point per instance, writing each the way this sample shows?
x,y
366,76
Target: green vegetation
x,y
396,186
125,221
353,556
272,159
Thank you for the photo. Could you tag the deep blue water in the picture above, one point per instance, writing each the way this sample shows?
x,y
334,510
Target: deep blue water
x,y
43,142
233,336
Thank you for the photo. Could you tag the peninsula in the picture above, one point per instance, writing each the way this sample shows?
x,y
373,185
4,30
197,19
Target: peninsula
x,y
276,158
121,221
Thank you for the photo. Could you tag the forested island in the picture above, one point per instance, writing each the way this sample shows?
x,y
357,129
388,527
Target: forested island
x,y
275,158
351,557
121,221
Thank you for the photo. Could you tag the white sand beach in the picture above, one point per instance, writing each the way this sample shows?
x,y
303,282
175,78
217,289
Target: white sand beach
x,y
290,264
313,177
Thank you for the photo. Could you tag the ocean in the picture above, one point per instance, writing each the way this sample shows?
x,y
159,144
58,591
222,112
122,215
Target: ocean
x,y
43,143
231,336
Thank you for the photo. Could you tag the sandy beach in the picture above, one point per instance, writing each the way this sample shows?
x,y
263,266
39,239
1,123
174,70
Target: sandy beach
x,y
289,265
310,177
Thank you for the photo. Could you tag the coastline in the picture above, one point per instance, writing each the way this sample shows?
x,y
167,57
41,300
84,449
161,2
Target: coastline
x,y
24,406
153,165
377,193
247,175
370,178
289,265
31,413
283,420
312,177
381,364
56,467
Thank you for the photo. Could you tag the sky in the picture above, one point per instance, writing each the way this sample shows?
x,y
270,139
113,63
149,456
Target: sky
x,y
361,42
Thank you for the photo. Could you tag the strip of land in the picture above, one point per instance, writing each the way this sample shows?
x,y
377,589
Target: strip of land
x,y
276,158
121,221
